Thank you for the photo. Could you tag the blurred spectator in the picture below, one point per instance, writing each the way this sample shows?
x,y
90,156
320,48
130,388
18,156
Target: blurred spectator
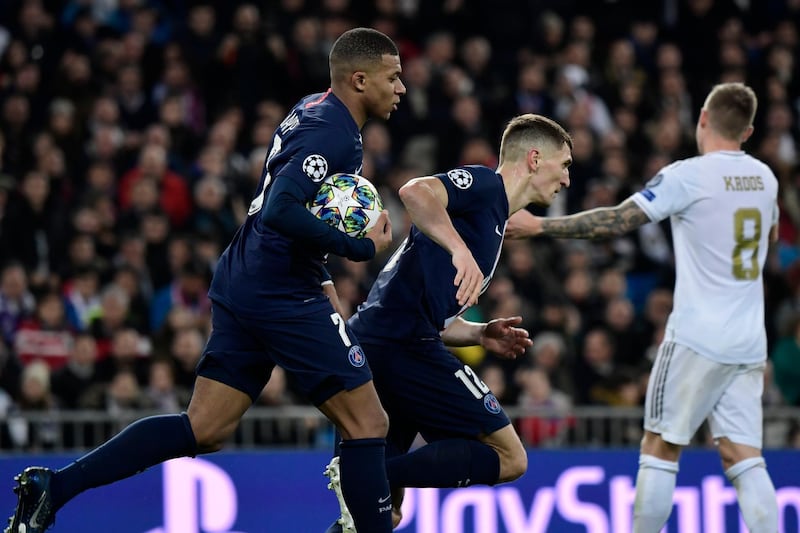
x,y
176,199
549,354
212,215
595,368
155,229
130,351
546,410
16,300
475,55
121,396
129,279
135,106
35,397
111,316
189,290
251,59
162,391
10,370
73,379
37,224
620,319
186,348
82,294
47,336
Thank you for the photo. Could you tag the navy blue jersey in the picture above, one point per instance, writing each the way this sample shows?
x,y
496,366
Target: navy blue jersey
x,y
414,296
263,270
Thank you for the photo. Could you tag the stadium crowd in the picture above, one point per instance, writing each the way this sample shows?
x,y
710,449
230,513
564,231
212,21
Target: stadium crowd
x,y
133,132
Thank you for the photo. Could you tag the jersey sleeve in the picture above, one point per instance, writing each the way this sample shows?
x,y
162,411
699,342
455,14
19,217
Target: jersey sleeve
x,y
470,187
320,150
666,194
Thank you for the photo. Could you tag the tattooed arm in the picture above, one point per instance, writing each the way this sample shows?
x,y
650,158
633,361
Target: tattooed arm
x,y
600,223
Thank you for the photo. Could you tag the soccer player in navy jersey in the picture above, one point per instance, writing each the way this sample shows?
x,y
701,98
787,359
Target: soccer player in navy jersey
x,y
414,310
270,308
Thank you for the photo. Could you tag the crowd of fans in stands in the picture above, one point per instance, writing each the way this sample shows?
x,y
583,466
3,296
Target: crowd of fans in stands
x,y
133,132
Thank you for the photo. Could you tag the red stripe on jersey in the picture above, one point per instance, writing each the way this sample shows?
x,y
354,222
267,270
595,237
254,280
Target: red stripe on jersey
x,y
321,99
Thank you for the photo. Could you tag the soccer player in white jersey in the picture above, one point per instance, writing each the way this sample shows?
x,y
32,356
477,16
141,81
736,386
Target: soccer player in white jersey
x,y
711,362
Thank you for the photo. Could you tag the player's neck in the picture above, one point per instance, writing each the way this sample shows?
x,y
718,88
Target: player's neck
x,y
513,186
352,105
720,145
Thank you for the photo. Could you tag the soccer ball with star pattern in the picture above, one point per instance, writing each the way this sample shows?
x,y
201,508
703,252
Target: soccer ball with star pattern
x,y
348,202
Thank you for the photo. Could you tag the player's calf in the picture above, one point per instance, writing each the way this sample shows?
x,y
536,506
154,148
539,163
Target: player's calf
x,y
756,494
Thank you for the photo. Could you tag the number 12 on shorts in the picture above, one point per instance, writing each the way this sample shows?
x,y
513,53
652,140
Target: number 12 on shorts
x,y
472,382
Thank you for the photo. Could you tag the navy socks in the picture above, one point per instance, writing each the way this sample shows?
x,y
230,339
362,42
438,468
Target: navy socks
x,y
445,463
144,443
362,467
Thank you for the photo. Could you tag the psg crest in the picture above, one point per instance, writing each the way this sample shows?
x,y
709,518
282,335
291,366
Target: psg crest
x,y
491,404
356,356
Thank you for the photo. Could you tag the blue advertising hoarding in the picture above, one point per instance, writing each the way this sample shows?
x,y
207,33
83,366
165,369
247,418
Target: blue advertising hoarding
x,y
285,492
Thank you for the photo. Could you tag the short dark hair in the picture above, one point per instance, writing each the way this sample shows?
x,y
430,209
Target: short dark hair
x,y
524,131
731,109
358,49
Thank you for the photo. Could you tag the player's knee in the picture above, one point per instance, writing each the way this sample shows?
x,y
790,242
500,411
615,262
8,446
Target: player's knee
x,y
211,438
732,454
209,443
371,425
513,465
397,517
653,444
381,424
734,470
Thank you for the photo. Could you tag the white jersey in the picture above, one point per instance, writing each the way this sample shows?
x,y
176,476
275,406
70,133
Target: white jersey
x,y
721,207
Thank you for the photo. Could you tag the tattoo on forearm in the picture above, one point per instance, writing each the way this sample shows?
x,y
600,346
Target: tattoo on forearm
x,y
599,223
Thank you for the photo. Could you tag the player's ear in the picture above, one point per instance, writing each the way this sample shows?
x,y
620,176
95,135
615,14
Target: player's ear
x,y
747,133
358,80
703,120
533,159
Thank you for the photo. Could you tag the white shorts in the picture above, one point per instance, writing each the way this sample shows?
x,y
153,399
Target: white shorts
x,y
686,388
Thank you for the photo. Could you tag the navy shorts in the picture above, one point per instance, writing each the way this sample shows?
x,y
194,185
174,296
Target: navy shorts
x,y
318,350
425,389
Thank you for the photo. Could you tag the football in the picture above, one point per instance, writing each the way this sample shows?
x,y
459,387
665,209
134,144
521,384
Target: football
x,y
348,202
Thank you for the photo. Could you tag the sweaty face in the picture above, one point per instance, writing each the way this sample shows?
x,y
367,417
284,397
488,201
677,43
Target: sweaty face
x,y
552,174
384,87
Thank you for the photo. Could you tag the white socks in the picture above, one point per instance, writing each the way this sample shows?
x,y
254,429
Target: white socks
x,y
756,494
655,484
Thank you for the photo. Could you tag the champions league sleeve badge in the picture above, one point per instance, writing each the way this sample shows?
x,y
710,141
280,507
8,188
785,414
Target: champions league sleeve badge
x,y
461,178
316,167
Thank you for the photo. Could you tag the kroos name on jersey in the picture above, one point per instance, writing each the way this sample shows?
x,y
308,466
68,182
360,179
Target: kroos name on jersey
x,y
743,183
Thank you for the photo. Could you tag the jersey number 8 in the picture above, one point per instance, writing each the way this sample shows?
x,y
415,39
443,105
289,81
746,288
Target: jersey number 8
x,y
746,243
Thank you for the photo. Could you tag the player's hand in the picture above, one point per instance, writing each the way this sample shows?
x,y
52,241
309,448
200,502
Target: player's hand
x,y
469,278
381,232
523,224
504,339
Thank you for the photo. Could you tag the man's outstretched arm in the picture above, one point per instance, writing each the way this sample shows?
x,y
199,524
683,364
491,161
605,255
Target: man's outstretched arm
x,y
600,223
